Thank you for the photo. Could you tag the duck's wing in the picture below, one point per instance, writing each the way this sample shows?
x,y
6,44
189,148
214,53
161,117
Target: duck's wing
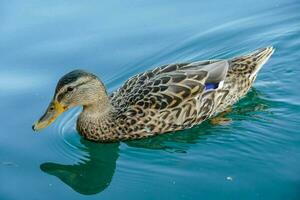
x,y
170,88
215,69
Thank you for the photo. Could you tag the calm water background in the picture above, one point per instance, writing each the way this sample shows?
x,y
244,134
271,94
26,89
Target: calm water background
x,y
256,156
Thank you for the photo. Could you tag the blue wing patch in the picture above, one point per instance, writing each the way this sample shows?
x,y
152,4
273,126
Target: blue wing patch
x,y
209,86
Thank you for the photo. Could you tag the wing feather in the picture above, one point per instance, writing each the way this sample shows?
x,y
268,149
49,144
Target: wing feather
x,y
175,93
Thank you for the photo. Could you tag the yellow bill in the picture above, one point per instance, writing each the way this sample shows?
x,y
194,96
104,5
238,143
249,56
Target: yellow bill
x,y
52,112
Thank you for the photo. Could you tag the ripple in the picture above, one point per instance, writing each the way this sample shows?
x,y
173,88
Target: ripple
x,y
220,42
16,82
67,141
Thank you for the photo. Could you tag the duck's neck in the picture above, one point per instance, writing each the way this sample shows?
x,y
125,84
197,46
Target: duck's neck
x,y
97,109
96,121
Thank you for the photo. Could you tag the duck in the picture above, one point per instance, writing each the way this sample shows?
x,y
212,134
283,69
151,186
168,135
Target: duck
x,y
165,99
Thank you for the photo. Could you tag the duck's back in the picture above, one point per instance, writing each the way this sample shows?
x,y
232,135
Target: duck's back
x,y
177,96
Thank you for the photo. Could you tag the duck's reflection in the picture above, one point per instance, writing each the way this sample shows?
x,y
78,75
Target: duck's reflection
x,y
91,176
95,174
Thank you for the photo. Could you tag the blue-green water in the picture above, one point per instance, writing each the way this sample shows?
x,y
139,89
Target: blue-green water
x,y
256,156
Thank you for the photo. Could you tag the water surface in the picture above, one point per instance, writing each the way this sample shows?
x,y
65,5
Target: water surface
x,y
256,156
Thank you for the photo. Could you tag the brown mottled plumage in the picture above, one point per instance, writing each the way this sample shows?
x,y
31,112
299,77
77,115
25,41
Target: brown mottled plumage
x,y
167,98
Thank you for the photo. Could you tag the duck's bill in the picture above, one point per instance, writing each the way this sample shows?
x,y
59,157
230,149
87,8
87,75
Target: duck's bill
x,y
52,112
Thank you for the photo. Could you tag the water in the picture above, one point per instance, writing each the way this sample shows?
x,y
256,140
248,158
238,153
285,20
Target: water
x,y
256,156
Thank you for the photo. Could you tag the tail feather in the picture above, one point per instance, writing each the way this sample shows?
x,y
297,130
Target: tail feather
x,y
253,61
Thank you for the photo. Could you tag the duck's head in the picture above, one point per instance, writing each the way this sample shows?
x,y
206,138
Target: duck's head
x,y
77,88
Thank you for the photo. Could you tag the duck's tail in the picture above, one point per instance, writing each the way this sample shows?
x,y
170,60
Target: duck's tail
x,y
250,64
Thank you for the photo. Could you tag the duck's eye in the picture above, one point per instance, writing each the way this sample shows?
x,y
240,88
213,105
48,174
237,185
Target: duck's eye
x,y
51,108
70,89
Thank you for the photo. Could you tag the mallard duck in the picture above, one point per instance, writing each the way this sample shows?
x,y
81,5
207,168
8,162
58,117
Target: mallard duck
x,y
168,98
